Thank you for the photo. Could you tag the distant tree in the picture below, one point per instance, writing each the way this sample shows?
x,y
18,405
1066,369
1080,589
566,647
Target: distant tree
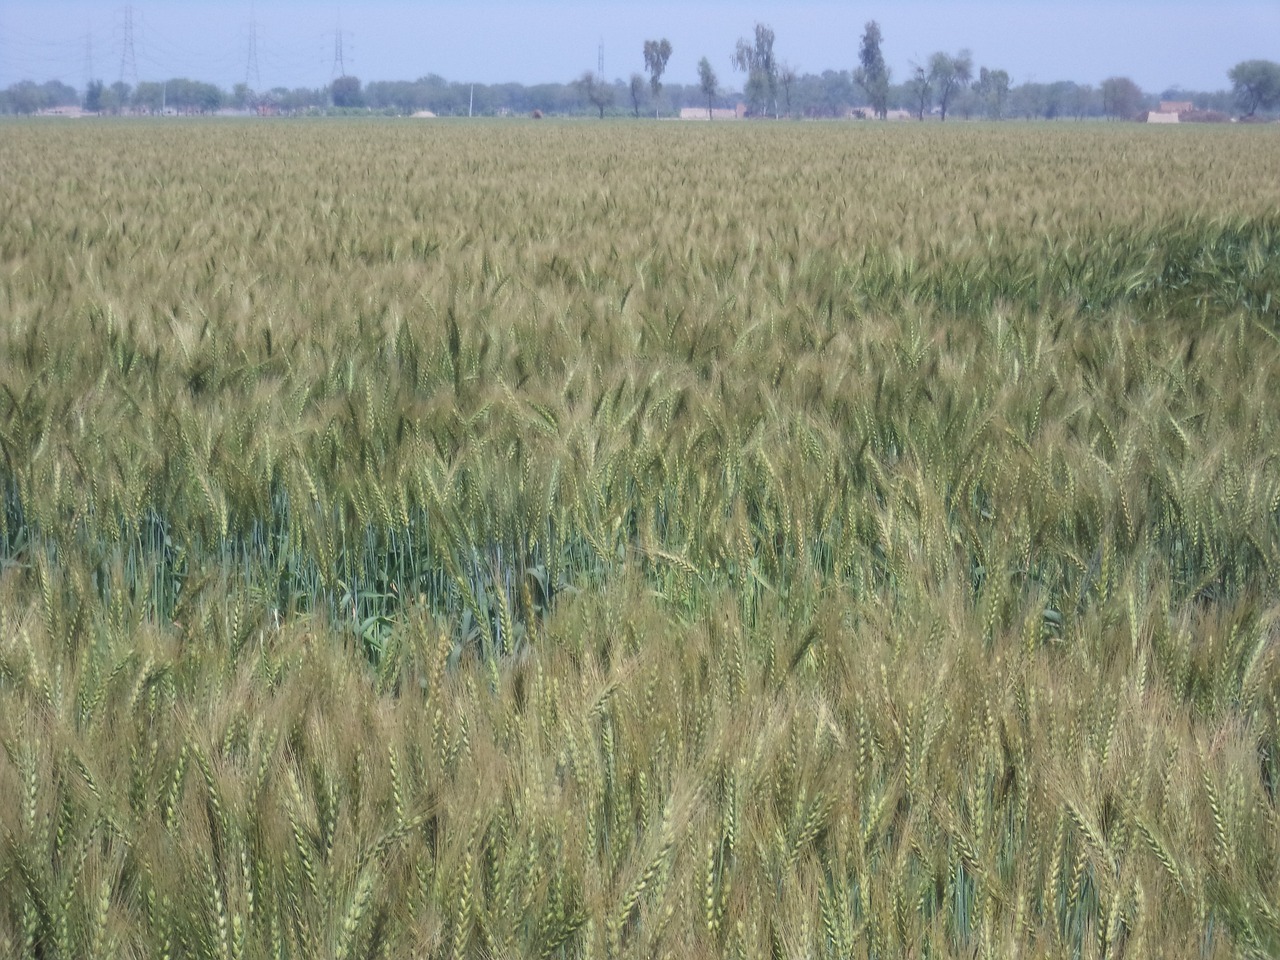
x,y
1121,97
637,91
757,61
656,55
598,93
788,77
872,74
26,97
59,94
346,92
300,98
1220,101
1256,84
149,96
207,97
707,83
826,95
920,90
120,95
993,91
967,103
1025,100
1083,99
179,93
1058,99
950,74
93,96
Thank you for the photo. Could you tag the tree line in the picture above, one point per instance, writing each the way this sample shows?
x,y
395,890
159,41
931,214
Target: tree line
x,y
944,85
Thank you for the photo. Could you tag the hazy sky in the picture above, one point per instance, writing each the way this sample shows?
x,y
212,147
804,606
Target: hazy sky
x,y
1158,44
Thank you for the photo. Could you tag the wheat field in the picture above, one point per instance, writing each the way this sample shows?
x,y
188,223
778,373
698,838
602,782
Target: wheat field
x,y
515,539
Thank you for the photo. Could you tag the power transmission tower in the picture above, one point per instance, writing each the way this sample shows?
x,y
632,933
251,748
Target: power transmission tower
x,y
252,77
128,56
88,59
339,64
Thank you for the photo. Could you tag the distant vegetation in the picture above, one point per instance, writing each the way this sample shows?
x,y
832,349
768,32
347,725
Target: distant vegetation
x,y
515,540
944,83
829,94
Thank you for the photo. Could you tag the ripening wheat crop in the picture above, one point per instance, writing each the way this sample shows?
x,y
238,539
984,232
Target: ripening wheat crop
x,y
639,540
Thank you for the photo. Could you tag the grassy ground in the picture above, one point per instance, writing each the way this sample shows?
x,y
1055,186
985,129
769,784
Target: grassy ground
x,y
515,539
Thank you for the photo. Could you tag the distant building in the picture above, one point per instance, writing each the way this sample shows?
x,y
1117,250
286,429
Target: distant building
x,y
718,113
868,113
1176,106
64,112
1161,116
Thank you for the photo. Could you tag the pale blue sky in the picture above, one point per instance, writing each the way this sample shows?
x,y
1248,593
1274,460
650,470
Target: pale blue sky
x,y
1158,44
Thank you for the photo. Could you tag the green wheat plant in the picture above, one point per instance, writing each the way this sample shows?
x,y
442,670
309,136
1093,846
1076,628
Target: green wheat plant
x,y
534,540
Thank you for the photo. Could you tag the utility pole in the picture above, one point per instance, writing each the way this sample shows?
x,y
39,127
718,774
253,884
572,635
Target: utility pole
x,y
600,61
472,105
128,56
88,59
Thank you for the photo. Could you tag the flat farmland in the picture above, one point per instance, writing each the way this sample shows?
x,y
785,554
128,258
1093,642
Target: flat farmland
x,y
566,539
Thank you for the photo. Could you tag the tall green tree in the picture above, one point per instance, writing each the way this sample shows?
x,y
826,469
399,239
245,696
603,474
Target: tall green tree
x,y
1083,100
1121,98
636,89
788,76
872,74
26,97
121,93
598,93
707,83
346,92
93,96
656,55
756,60
992,88
949,75
1256,85
920,89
